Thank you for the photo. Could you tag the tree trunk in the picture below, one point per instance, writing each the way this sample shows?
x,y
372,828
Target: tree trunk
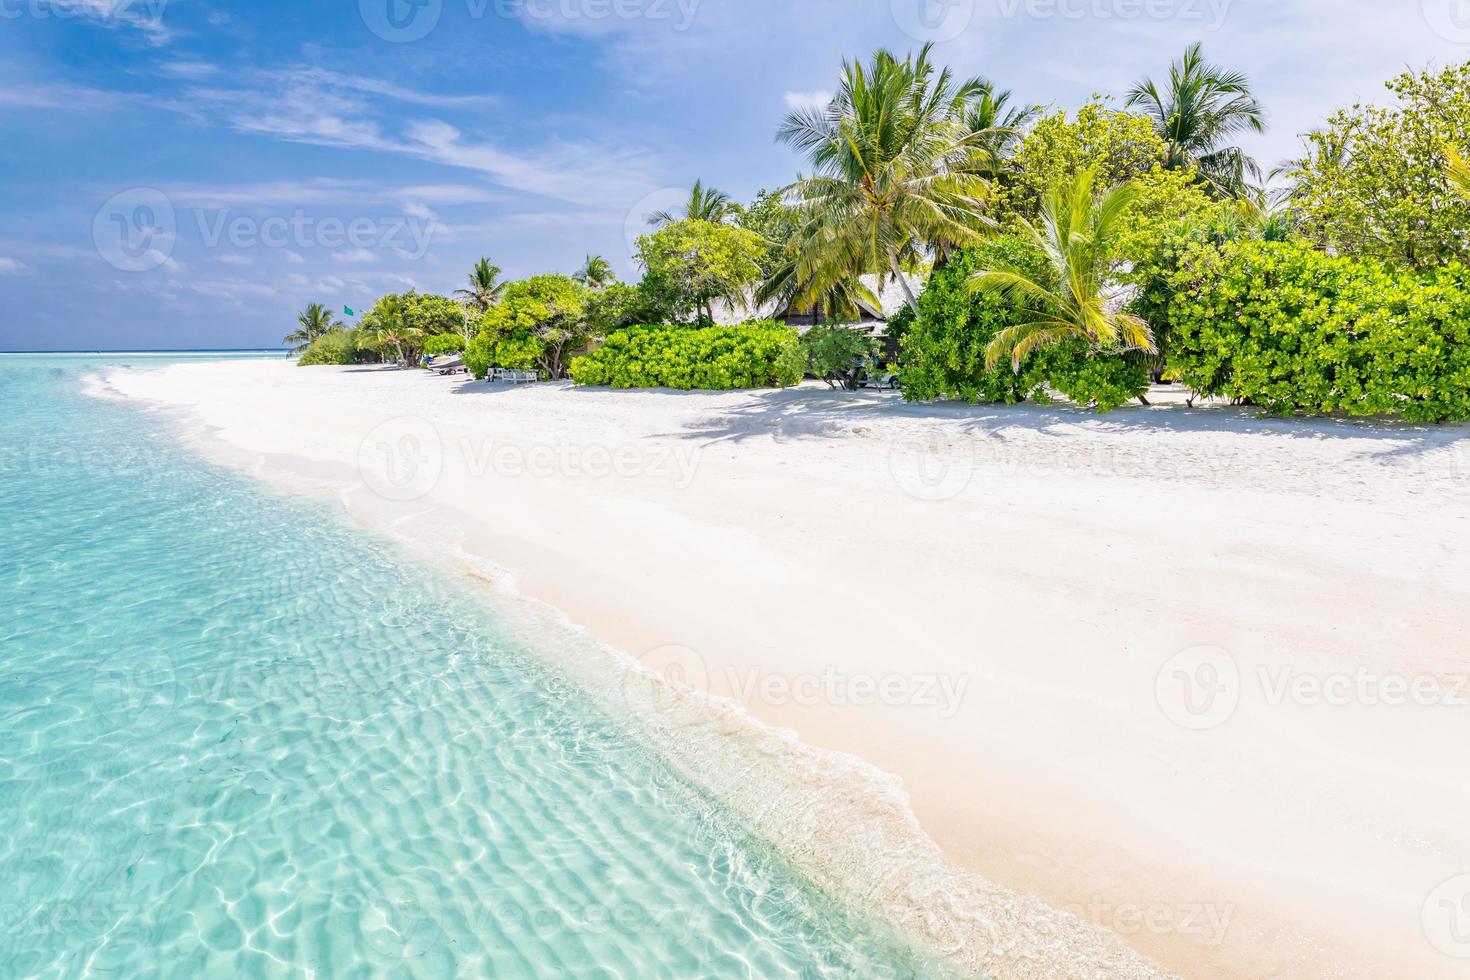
x,y
907,292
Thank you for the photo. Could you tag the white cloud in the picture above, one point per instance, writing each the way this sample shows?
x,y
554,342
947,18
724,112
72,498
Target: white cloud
x,y
189,69
797,101
356,255
415,209
236,260
12,266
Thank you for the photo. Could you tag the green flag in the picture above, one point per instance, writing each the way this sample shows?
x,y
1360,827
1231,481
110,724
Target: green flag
x,y
348,311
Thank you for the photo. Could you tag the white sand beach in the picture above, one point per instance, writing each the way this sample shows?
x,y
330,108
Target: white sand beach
x,y
1196,677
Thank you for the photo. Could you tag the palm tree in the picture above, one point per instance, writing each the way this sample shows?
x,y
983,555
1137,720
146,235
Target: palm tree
x,y
1070,298
390,328
1203,107
704,204
840,302
596,272
999,126
1457,171
316,321
485,286
890,180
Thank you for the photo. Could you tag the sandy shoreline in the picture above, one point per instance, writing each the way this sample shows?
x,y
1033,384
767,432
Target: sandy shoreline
x,y
1147,668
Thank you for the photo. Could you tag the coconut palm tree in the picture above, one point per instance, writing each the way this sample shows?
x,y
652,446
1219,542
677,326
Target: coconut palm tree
x,y
316,321
999,126
390,329
1457,171
890,179
485,286
840,302
704,204
596,272
1074,244
1201,109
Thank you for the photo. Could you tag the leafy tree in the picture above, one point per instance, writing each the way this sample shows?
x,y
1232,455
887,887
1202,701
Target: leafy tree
x,y
1197,113
433,314
1375,182
889,157
1118,146
538,322
839,355
704,204
770,217
316,321
689,264
619,305
485,287
596,272
1069,299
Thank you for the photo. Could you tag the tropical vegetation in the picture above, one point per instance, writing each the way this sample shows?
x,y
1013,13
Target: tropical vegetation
x,y
1031,253
315,322
752,355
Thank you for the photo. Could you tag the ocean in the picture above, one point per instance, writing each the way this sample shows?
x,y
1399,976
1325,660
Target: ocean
x,y
241,737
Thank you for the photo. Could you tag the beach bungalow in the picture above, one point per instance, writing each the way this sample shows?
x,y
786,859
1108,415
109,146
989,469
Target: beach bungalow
x,y
874,320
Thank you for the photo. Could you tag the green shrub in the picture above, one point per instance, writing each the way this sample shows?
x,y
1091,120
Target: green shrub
x,y
836,354
753,355
1293,329
517,350
337,347
444,343
943,351
1103,381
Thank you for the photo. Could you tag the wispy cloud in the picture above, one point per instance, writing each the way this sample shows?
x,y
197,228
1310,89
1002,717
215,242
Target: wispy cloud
x,y
189,69
797,101
146,16
12,266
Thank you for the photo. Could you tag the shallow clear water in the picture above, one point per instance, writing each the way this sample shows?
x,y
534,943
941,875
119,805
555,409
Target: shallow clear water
x,y
241,738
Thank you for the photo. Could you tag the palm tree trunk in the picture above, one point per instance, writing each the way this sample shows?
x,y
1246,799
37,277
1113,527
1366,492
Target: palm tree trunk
x,y
907,292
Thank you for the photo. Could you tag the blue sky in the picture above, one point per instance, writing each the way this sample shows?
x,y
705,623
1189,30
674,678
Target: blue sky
x,y
182,173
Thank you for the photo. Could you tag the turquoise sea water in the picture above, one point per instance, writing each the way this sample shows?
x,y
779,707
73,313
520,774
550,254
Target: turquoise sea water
x,y
241,738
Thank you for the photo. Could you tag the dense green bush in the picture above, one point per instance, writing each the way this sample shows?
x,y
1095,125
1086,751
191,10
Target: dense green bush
x,y
337,347
753,355
444,343
944,350
838,354
1292,329
538,323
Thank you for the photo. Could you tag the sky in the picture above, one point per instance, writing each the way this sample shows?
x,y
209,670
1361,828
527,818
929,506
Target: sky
x,y
190,173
